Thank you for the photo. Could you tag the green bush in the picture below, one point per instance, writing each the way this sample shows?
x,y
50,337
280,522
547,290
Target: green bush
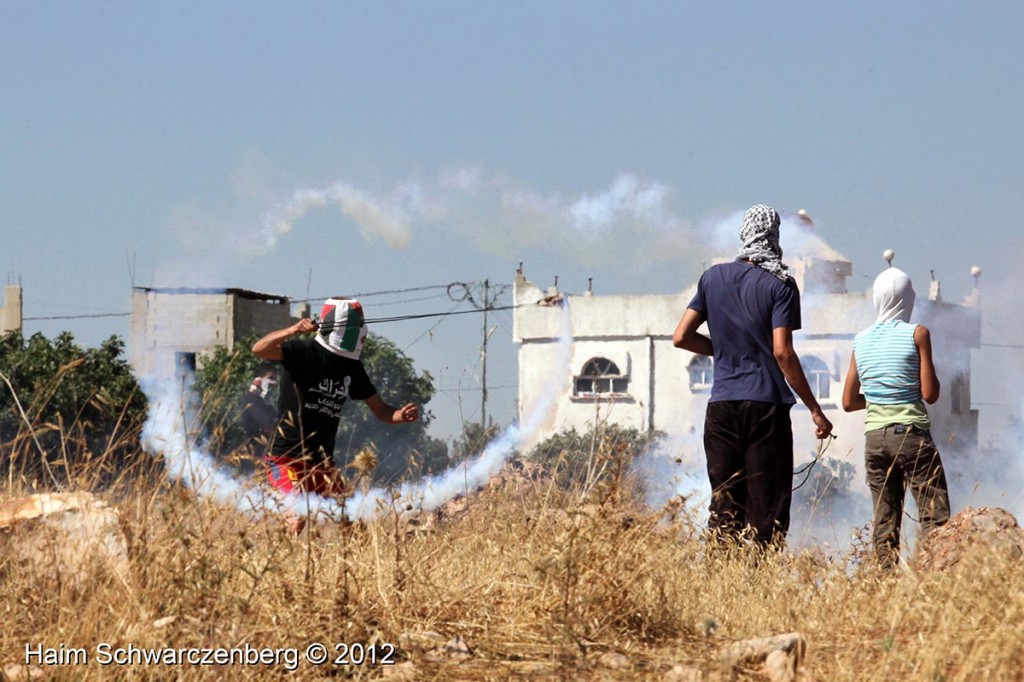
x,y
77,405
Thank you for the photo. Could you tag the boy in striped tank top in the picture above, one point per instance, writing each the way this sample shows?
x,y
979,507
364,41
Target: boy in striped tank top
x,y
892,376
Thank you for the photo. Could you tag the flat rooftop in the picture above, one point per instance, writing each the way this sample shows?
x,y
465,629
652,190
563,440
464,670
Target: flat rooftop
x,y
214,291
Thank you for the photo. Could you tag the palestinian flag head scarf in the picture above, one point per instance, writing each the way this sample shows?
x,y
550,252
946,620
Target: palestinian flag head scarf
x,y
342,327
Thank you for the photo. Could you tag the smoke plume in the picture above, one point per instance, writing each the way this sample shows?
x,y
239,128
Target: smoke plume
x,y
388,218
631,216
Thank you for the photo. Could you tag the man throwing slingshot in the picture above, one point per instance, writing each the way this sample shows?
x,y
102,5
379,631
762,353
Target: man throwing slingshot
x,y
320,373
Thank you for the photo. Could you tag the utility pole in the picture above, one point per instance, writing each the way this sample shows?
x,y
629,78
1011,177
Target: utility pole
x,y
483,360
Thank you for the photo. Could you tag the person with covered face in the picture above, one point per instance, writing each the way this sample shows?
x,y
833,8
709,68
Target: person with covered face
x,y
751,306
319,374
892,376
259,416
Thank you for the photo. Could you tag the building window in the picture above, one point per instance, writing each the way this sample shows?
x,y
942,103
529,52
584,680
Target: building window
x,y
600,376
184,364
818,376
960,395
701,369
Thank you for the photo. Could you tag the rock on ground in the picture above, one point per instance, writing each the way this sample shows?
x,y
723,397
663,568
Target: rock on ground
x,y
983,529
73,537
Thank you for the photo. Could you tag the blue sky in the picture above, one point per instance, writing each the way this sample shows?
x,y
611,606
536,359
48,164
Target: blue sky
x,y
588,139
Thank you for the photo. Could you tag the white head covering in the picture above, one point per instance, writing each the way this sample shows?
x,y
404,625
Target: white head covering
x,y
342,327
760,235
894,296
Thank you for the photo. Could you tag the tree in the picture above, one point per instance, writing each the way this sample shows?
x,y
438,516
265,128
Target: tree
x,y
402,449
78,404
592,457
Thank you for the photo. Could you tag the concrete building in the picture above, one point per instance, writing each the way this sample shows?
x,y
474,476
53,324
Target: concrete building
x,y
173,327
11,313
626,371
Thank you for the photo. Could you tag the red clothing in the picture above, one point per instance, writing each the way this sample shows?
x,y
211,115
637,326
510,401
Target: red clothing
x,y
293,475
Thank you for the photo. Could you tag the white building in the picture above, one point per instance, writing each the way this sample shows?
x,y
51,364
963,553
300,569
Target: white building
x,y
171,327
626,370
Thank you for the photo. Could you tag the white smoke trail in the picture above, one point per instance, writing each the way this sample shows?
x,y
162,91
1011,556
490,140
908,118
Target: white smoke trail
x,y
375,216
432,492
171,429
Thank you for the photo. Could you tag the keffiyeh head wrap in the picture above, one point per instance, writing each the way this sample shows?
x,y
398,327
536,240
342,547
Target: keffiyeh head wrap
x,y
894,296
342,329
760,235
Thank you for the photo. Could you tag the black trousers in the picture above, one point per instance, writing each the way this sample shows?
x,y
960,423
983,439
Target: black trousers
x,y
749,449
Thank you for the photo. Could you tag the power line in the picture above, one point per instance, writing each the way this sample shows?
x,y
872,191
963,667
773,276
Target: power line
x,y
1004,345
367,294
420,316
431,329
75,317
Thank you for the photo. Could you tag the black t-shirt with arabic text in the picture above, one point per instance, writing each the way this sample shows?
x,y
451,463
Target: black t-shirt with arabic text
x,y
314,386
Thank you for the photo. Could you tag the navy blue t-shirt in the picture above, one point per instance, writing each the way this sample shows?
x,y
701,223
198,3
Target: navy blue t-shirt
x,y
742,304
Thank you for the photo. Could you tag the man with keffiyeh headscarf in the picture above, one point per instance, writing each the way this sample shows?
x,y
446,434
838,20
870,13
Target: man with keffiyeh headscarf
x,y
319,374
751,306
892,376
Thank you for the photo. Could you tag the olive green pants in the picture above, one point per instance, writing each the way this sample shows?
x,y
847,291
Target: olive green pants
x,y
897,457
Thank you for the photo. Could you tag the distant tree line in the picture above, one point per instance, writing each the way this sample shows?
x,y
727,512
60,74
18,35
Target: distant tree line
x,y
82,408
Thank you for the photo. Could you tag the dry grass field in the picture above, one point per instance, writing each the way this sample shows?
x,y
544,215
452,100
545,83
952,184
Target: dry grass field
x,y
525,579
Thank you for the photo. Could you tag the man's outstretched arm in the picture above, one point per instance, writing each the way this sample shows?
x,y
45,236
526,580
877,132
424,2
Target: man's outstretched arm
x,y
269,347
409,412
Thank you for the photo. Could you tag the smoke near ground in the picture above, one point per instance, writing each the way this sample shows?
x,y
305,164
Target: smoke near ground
x,y
172,429
433,491
829,503
673,469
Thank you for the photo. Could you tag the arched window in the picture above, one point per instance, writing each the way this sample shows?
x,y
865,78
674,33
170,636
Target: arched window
x,y
818,376
598,376
701,369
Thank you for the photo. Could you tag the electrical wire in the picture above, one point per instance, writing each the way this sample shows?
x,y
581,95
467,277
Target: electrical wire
x,y
421,316
430,329
368,294
74,317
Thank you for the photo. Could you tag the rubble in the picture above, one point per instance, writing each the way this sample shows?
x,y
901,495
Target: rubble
x,y
65,536
780,656
982,529
15,672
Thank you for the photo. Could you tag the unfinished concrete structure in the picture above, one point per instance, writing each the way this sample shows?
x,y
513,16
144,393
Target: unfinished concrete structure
x,y
11,313
172,327
626,370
